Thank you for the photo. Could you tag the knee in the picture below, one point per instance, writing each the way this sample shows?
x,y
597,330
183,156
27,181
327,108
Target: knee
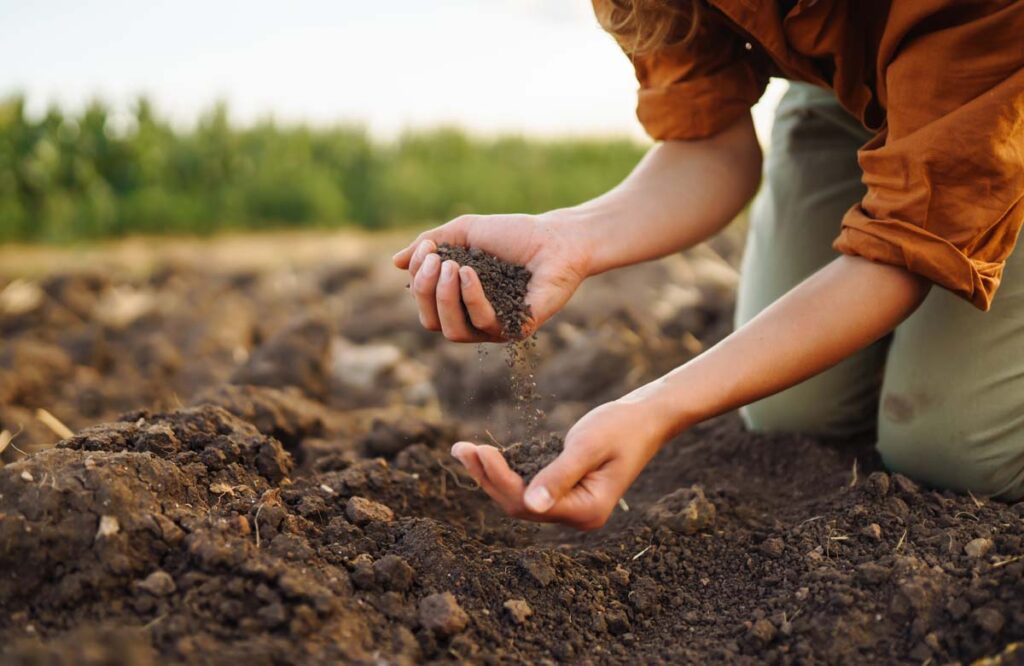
x,y
805,410
983,461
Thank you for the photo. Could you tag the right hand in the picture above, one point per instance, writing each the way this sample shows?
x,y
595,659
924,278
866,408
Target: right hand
x,y
549,245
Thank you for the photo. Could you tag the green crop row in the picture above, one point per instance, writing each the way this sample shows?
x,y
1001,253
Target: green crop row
x,y
96,173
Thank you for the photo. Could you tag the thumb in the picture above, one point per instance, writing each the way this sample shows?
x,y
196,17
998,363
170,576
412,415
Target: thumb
x,y
554,481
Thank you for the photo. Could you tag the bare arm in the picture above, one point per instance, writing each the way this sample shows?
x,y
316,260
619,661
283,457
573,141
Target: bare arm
x,y
681,193
842,308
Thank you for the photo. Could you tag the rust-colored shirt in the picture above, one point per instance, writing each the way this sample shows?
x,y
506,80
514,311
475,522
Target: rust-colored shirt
x,y
940,81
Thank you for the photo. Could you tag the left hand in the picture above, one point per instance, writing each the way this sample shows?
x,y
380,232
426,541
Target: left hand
x,y
604,453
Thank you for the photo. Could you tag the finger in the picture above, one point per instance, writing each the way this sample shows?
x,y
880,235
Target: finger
x,y
403,256
424,289
449,306
557,479
465,453
422,251
506,484
469,456
481,314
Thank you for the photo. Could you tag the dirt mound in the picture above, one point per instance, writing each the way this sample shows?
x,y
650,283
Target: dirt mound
x,y
528,458
504,285
274,523
298,355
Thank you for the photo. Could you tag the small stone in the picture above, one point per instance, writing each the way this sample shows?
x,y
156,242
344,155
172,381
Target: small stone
x,y
905,485
362,511
878,484
242,525
518,610
989,619
763,630
872,531
109,526
979,547
27,476
363,575
442,613
158,583
773,547
620,575
617,622
393,573
540,571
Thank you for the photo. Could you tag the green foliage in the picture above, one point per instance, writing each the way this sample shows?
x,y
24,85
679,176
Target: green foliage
x,y
99,173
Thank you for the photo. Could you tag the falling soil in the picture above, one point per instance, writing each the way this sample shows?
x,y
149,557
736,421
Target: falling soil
x,y
528,458
290,522
505,286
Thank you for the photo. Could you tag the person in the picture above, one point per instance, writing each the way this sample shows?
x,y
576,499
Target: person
x,y
903,131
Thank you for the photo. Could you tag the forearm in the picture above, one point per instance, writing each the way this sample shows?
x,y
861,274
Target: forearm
x,y
842,308
681,193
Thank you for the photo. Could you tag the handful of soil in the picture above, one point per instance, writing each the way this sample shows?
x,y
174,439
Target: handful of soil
x,y
528,458
504,285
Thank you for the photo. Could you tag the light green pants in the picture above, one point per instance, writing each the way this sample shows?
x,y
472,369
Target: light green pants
x,y
946,389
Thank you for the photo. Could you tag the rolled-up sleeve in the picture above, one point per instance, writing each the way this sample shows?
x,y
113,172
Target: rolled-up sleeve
x,y
945,176
697,89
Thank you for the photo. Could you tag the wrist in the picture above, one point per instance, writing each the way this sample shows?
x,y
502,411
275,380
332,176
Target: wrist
x,y
585,228
669,409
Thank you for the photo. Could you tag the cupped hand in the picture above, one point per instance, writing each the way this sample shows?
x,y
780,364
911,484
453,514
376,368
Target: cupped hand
x,y
450,297
603,454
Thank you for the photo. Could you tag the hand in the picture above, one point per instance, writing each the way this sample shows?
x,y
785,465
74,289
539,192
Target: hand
x,y
604,453
549,245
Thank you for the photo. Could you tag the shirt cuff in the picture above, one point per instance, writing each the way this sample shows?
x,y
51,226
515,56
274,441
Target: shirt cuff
x,y
921,252
701,107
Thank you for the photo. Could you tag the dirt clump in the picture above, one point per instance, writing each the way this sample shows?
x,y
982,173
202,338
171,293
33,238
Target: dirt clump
x,y
687,511
504,284
443,614
528,458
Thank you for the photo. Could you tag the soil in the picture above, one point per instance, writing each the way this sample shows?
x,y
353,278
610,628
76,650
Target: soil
x,y
217,503
528,458
504,284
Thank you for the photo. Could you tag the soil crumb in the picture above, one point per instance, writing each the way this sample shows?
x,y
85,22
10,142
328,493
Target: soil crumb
x,y
504,285
528,458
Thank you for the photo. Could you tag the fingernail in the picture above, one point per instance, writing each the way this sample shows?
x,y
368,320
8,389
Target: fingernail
x,y
448,270
464,276
424,247
458,448
538,499
431,263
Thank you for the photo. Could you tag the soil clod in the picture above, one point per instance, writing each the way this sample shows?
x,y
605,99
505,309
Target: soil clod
x,y
686,511
518,610
504,285
442,613
528,458
362,511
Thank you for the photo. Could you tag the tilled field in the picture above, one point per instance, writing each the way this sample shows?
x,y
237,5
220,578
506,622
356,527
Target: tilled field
x,y
259,471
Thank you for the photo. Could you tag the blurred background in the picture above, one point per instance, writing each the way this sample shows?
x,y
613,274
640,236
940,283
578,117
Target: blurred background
x,y
122,118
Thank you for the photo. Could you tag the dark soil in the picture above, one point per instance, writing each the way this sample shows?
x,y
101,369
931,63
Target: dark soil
x,y
312,514
528,458
504,285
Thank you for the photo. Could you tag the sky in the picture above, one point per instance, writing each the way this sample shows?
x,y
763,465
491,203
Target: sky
x,y
540,67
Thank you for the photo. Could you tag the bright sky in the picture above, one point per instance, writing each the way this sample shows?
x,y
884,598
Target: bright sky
x,y
533,66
